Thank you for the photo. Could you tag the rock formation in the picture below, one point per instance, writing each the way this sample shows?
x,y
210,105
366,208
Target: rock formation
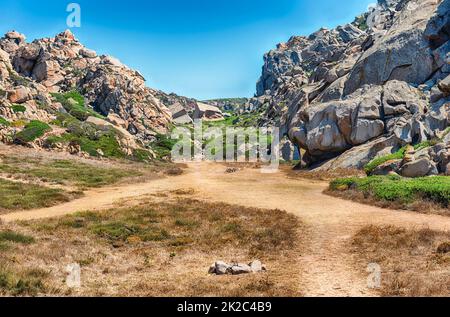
x,y
32,74
364,89
207,112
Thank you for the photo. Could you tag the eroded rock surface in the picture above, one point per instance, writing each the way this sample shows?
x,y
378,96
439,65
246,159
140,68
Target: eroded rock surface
x,y
364,89
32,73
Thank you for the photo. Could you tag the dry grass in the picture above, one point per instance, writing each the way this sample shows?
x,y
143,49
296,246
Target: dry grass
x,y
161,247
323,175
413,262
175,170
20,196
421,206
72,171
243,165
33,179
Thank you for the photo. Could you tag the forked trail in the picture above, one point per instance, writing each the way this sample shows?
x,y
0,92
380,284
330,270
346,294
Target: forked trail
x,y
326,265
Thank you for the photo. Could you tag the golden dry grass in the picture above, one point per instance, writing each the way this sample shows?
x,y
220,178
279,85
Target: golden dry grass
x,y
160,247
413,262
33,179
418,205
322,175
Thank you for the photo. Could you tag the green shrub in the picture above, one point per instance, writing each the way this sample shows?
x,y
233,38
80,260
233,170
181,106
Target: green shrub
x,y
446,131
426,144
15,237
141,155
371,166
107,143
396,188
4,122
360,22
73,102
64,120
80,114
163,145
88,136
18,108
19,196
33,130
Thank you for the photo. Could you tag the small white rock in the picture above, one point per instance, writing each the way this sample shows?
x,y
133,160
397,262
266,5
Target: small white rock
x,y
212,269
256,266
221,268
240,269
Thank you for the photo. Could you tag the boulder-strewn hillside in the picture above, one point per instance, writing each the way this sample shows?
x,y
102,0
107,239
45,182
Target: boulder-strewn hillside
x,y
365,89
56,93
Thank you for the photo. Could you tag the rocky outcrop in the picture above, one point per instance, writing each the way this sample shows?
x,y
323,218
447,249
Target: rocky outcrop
x,y
62,63
426,161
52,78
207,112
179,114
361,90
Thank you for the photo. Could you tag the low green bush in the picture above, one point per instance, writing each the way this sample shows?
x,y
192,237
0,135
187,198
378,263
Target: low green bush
x,y
141,155
73,102
163,145
396,188
18,108
18,196
11,236
107,143
372,165
80,114
33,130
88,136
4,122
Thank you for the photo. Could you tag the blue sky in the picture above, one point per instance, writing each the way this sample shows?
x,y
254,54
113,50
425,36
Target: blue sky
x,y
197,48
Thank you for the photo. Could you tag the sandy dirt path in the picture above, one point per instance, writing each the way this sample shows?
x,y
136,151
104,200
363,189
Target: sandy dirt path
x,y
327,266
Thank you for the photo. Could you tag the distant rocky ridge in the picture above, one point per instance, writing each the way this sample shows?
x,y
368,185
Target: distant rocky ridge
x,y
32,74
365,89
61,64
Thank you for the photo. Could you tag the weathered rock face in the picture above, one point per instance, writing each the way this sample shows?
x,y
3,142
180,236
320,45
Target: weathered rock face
x,y
360,90
62,63
402,53
207,112
30,74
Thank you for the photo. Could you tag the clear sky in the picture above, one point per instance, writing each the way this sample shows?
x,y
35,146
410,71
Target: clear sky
x,y
198,48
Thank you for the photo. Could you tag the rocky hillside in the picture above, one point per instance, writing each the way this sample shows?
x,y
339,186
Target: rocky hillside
x,y
56,93
365,89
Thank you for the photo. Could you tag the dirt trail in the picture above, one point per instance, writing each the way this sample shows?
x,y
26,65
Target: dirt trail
x,y
326,265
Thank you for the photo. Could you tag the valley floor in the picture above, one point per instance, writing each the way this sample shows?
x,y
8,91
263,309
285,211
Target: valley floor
x,y
326,263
